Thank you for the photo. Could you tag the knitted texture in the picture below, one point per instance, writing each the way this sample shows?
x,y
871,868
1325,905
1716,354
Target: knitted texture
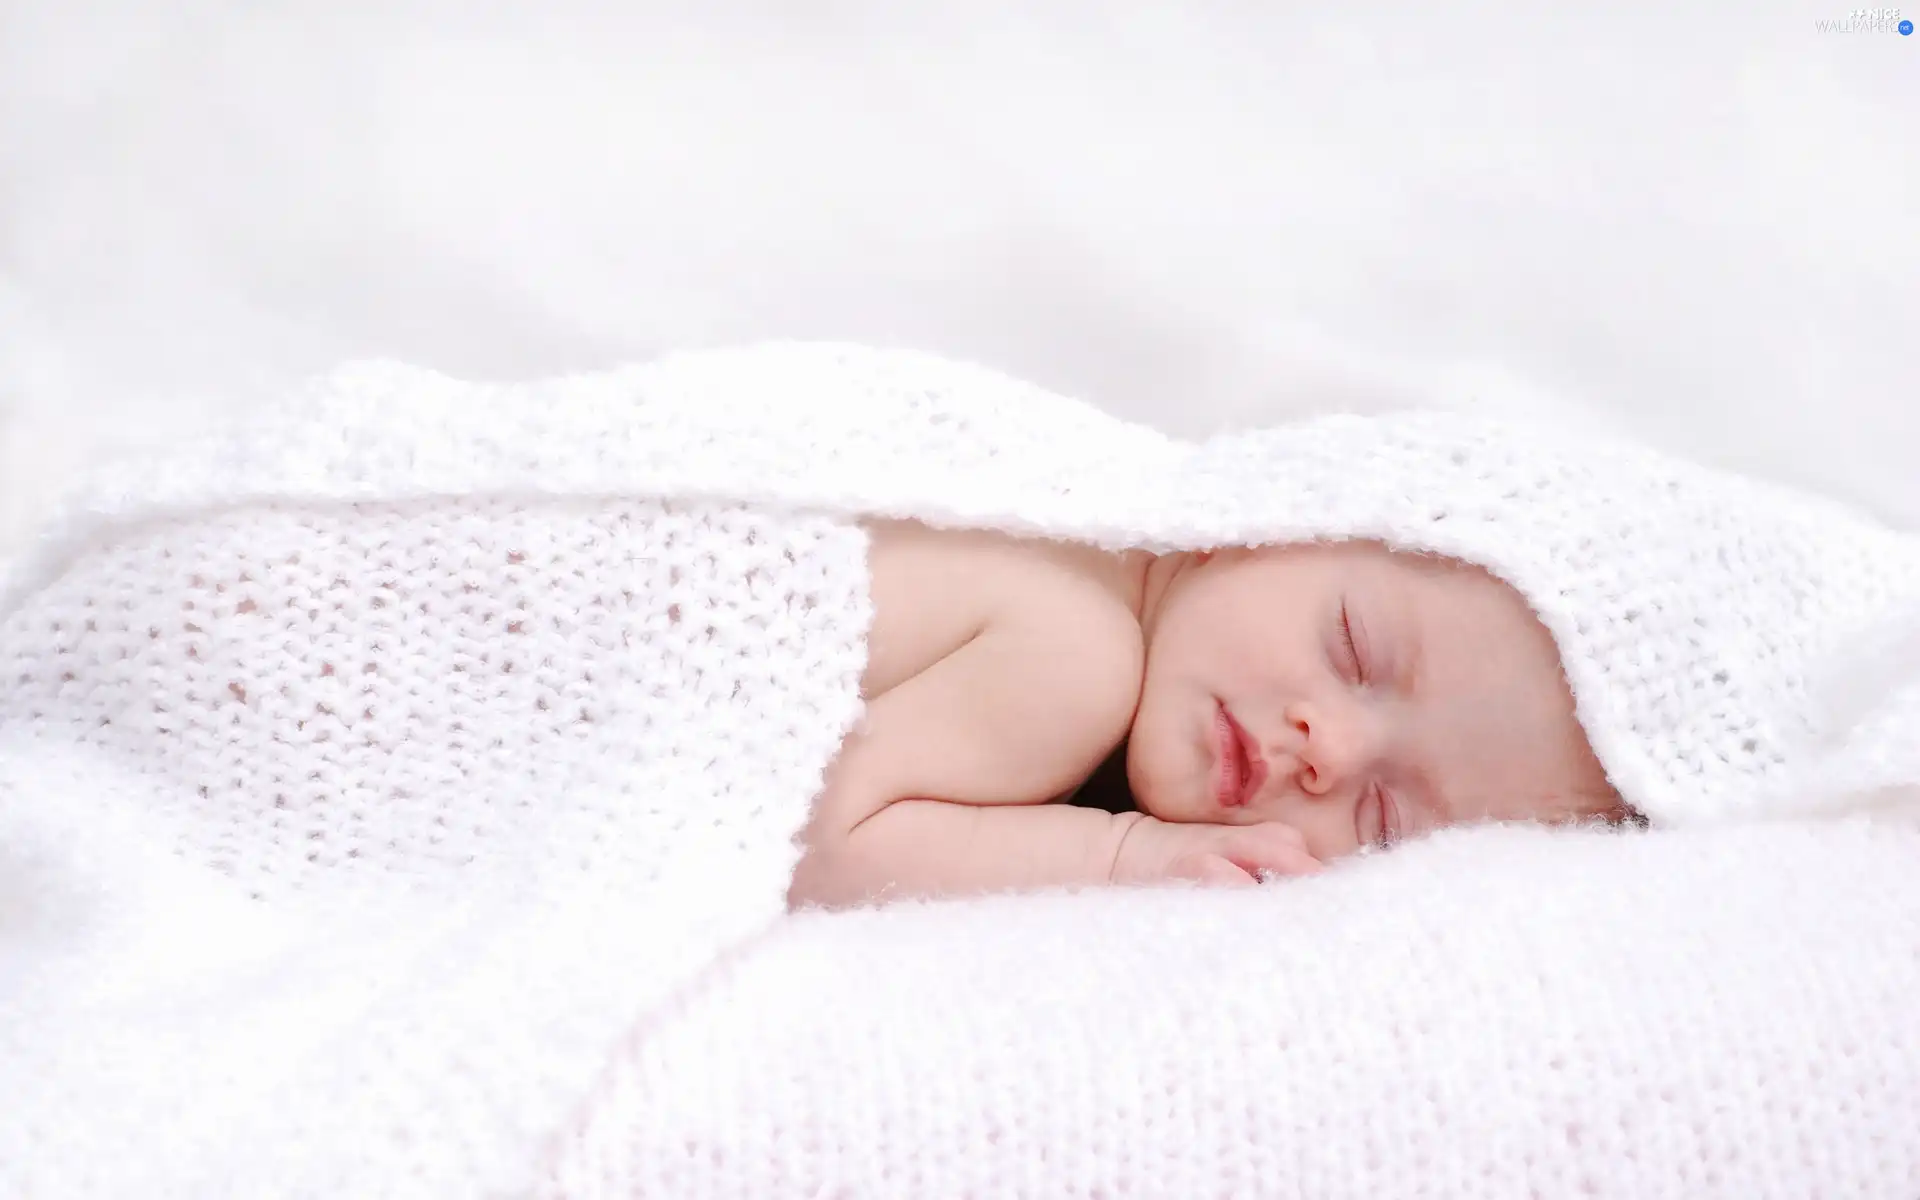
x,y
471,785
369,773
1502,1013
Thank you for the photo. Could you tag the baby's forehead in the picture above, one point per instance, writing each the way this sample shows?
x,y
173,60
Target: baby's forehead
x,y
1494,677
1427,564
1387,558
1439,574
1450,598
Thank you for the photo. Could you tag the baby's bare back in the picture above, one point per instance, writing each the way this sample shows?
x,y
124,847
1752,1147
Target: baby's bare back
x,y
937,590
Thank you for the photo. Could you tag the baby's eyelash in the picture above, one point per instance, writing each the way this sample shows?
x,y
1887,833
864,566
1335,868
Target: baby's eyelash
x,y
1389,818
1353,649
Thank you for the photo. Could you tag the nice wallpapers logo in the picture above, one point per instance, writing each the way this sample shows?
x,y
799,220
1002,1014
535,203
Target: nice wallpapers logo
x,y
1867,20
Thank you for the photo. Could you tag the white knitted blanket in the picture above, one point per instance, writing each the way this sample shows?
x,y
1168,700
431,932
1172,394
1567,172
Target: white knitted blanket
x,y
372,777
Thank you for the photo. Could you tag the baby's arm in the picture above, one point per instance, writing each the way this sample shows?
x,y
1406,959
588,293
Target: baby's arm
x,y
936,848
938,793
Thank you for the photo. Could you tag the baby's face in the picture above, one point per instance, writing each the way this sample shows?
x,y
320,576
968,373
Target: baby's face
x,y
1359,695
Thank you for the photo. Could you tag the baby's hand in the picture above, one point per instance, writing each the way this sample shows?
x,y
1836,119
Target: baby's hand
x,y
1156,851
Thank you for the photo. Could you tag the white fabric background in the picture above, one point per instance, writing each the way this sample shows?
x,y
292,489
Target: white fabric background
x,y
1701,224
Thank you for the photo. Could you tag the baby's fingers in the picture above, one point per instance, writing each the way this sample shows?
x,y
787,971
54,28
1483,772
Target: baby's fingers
x,y
1269,848
1214,870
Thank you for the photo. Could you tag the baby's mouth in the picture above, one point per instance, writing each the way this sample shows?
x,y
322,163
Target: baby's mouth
x,y
1242,767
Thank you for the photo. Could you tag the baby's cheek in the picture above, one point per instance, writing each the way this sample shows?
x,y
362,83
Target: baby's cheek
x,y
1160,773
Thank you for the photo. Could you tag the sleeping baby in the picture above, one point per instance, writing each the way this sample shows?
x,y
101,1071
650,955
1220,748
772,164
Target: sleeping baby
x,y
1280,707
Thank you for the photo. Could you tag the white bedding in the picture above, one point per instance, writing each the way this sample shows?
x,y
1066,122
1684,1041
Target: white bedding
x,y
398,786
1492,1014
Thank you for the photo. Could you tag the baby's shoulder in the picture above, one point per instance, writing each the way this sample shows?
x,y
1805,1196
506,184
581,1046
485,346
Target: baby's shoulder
x,y
934,590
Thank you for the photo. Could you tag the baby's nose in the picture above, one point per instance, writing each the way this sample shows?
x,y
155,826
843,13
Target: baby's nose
x,y
1333,747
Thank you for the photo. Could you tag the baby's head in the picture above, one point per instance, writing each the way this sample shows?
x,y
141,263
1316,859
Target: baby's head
x,y
1358,694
